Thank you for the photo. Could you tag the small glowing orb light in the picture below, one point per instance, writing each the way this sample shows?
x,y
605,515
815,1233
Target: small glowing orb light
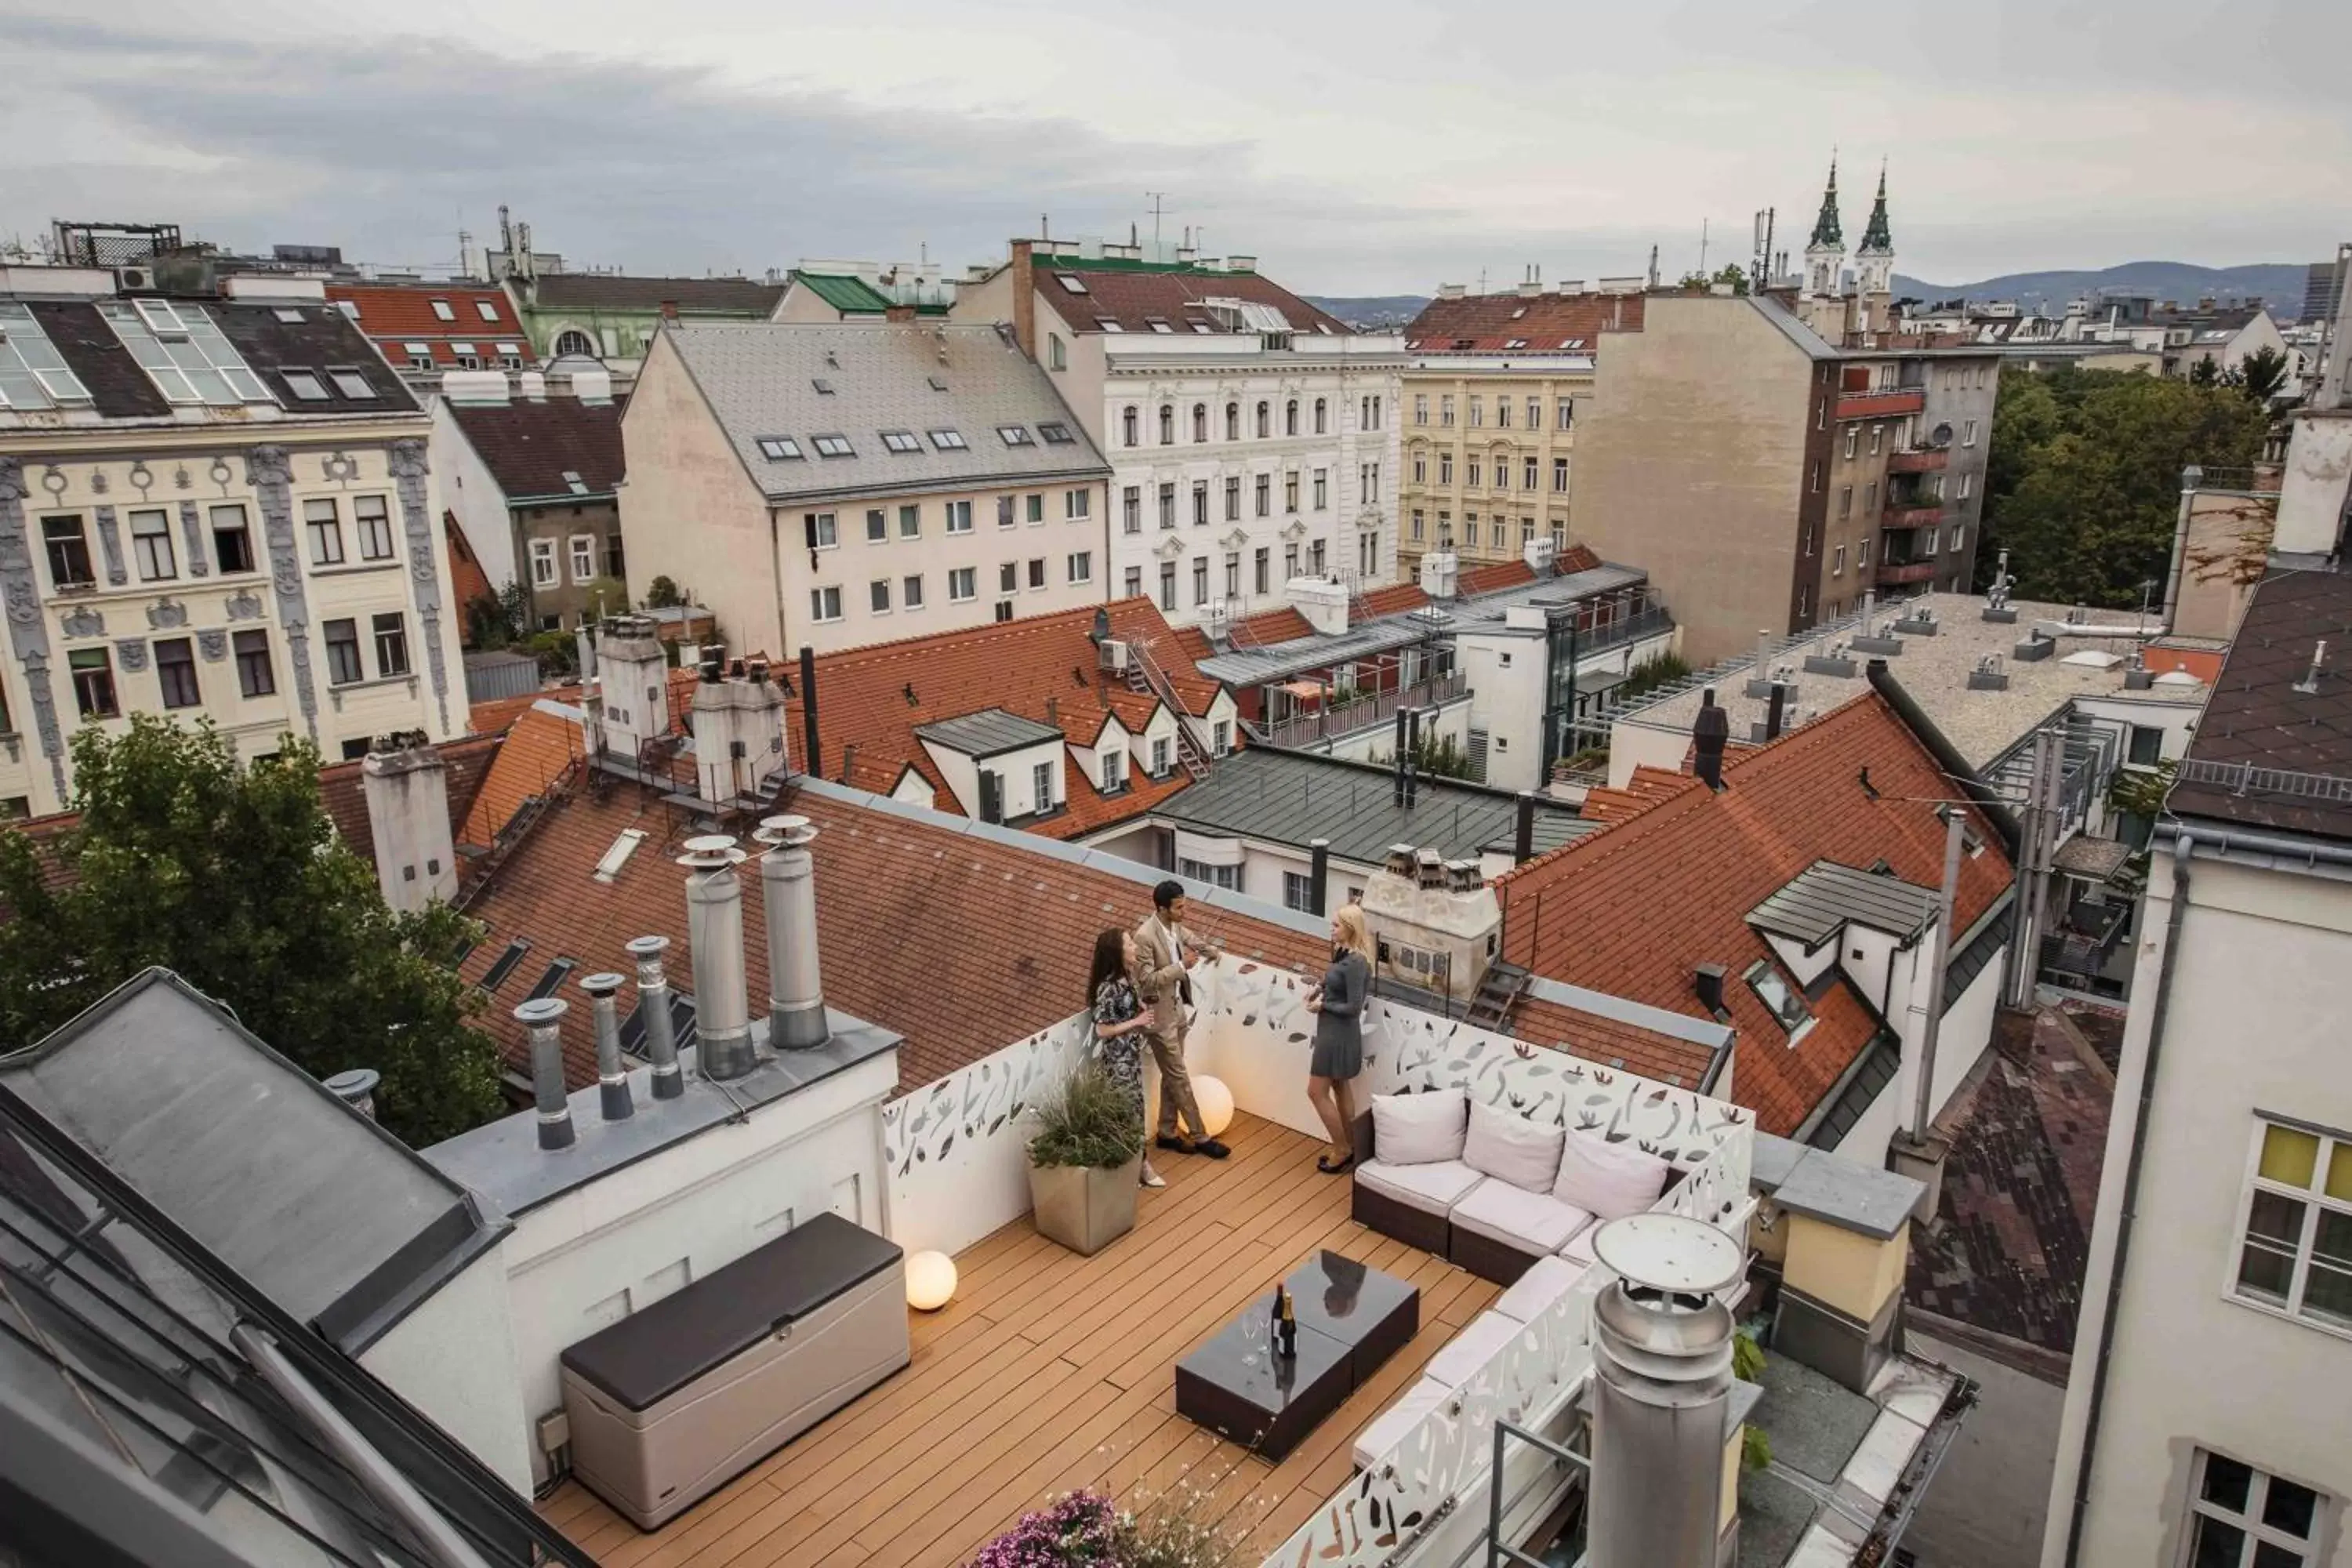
x,y
931,1281
1216,1103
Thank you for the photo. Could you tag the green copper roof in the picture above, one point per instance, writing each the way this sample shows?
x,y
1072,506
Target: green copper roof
x,y
1068,263
1874,236
850,295
1827,230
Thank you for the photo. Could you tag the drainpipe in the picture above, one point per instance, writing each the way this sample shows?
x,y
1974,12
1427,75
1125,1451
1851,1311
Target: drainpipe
x,y
2181,849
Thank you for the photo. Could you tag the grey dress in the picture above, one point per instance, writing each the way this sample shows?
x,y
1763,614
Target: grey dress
x,y
1340,1027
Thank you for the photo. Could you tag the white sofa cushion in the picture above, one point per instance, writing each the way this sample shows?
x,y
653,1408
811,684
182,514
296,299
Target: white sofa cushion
x,y
1389,1427
1539,1288
1532,1222
1612,1180
1509,1147
1433,1188
1472,1348
1419,1129
1578,1250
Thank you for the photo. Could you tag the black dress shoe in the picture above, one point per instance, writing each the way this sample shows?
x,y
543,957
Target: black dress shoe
x,y
1170,1140
1211,1148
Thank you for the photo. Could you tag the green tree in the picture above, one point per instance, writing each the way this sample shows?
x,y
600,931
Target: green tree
x,y
1731,273
662,594
2083,483
233,876
2263,373
609,593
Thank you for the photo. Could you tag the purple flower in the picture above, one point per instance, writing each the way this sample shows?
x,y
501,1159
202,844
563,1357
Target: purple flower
x,y
1075,1532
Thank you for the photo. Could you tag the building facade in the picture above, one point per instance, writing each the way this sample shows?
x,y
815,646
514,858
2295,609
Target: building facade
x,y
611,318
424,330
2218,1302
829,486
534,482
1253,439
218,508
1488,400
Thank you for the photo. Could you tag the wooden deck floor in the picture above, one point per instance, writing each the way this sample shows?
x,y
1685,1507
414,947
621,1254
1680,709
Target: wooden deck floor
x,y
1051,1372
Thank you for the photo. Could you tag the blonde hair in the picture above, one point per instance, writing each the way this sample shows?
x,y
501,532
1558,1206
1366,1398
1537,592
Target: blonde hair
x,y
1352,935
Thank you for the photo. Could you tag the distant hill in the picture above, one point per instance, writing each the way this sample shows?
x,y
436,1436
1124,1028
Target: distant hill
x,y
1370,311
2278,284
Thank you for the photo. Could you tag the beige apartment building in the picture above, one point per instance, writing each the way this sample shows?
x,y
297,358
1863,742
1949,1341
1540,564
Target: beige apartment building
x,y
827,486
214,507
1488,398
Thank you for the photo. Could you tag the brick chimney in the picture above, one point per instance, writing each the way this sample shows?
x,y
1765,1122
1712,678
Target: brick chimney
x,y
406,787
1025,300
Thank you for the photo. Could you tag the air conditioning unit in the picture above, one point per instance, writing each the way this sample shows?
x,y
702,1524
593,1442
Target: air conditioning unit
x,y
131,280
1114,655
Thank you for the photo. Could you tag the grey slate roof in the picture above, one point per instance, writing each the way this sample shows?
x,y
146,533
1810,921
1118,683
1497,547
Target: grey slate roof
x,y
1293,798
988,732
760,380
619,292
1811,905
327,1213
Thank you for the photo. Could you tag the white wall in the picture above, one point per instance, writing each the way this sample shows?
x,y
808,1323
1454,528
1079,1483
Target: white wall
x,y
2311,492
471,492
454,1359
1505,674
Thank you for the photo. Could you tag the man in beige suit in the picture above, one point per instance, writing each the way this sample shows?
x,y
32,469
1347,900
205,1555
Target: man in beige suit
x,y
1165,953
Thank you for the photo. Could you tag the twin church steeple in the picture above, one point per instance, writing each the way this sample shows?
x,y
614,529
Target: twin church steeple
x,y
1825,251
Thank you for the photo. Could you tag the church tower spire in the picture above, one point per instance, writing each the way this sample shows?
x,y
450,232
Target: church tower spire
x,y
1874,236
1876,256
1825,252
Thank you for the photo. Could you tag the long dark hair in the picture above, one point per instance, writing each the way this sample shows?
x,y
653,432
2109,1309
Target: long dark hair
x,y
1110,960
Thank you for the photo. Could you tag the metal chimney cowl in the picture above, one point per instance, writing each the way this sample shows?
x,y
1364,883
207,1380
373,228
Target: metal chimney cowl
x,y
795,978
714,931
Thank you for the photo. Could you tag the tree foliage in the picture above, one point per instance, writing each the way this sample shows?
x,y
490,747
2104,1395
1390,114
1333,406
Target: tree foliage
x,y
1731,273
233,878
2083,483
663,594
2261,374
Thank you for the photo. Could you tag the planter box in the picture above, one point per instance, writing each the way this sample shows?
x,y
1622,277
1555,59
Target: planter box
x,y
1085,1208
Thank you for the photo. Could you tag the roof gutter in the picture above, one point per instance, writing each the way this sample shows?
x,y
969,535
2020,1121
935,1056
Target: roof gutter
x,y
1947,757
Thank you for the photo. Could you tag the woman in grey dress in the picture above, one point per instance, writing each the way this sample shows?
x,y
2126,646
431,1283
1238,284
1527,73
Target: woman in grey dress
x,y
1120,1024
1337,1004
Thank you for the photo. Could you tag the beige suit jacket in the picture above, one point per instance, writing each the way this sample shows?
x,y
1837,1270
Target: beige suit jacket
x,y
1160,978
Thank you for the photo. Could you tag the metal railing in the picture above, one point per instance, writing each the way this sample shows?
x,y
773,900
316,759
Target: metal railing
x,y
2245,778
1656,621
1342,719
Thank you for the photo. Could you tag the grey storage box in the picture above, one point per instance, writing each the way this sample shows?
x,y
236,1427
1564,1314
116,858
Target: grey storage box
x,y
672,1402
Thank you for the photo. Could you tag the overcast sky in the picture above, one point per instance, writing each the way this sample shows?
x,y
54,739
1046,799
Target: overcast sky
x,y
1381,146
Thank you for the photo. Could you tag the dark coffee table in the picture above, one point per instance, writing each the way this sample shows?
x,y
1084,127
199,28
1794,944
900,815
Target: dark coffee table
x,y
1350,1318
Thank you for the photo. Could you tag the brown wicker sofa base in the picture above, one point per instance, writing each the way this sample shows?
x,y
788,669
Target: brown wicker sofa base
x,y
1487,1258
1377,1211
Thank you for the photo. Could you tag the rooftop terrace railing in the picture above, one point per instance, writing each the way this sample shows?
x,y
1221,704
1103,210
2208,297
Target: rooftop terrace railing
x,y
1374,709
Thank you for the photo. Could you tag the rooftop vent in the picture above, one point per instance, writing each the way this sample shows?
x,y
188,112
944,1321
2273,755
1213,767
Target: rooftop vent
x,y
1710,732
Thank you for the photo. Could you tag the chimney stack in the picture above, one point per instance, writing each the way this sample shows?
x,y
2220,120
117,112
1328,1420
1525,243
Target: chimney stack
x,y
1523,830
405,785
788,888
1661,1393
543,1017
1776,711
1024,298
652,1005
1318,875
612,1077
1708,733
812,761
714,916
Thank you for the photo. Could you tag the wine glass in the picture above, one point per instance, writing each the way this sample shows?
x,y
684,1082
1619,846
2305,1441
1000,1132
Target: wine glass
x,y
1256,1326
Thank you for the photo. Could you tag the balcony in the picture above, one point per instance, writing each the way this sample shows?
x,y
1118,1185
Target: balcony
x,y
1918,460
1369,711
1924,514
1890,403
1894,573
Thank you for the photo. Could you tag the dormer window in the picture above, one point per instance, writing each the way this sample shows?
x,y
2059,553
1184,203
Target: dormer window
x,y
1114,770
1783,1001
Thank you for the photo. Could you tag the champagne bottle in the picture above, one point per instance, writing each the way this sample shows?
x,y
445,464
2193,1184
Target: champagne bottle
x,y
1287,1329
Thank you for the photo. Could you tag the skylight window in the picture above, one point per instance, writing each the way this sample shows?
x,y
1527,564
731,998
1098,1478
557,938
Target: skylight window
x,y
780,448
1071,281
823,387
1573,343
618,855
1515,342
1015,436
834,446
573,482
352,384
1202,327
488,312
1056,434
306,385
949,440
350,307
1518,313
441,309
32,374
1108,324
1324,328
286,313
1159,324
939,383
901,441
1786,1003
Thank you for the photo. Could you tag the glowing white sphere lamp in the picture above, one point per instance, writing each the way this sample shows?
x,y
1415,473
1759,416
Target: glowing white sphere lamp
x,y
931,1281
1216,1103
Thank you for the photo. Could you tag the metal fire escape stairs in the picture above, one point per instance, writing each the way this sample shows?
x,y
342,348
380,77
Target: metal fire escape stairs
x,y
1498,996
1144,675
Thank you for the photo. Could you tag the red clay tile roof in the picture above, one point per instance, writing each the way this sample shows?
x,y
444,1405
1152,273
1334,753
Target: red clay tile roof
x,y
343,791
1286,625
395,315
1540,324
1132,296
528,446
1634,909
1597,1039
539,750
866,722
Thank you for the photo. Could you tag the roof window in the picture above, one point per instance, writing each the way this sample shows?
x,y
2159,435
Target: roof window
x,y
352,384
1783,1001
1056,434
573,480
306,385
1515,342
618,855
1108,324
939,383
32,374
780,448
554,978
487,310
286,313
1072,281
1015,436
823,387
1518,313
901,441
834,446
504,966
441,309
1202,327
949,440
1159,324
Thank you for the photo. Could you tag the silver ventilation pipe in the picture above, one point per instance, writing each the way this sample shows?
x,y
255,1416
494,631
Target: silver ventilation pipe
x,y
652,1005
714,931
612,1077
788,888
1661,1392
543,1017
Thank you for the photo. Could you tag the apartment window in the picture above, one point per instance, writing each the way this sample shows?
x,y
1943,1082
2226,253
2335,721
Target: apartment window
x,y
1534,413
1530,475
1127,425
1081,566
1297,890
1008,577
175,669
1003,610
232,540
1167,423
1130,504
1033,506
1233,497
1321,420
373,517
584,557
1853,440
958,514
69,551
821,531
877,526
1168,585
1199,503
962,586
1805,537
2296,1255
1233,421
1263,428
544,572
1200,580
1114,770
326,530
1057,355
1968,484
1261,568
1877,435
1845,501
1037,571
1289,561
1290,491
1077,504
1290,417
1477,411
1369,482
1162,756
1445,530
1232,574
93,682
2145,748
1226,877
150,546
1444,467
254,677
1470,530
1526,530
1968,434
420,355
1934,536
1132,584
1005,511
910,592
1870,498
1476,472
1167,506
343,652
1814,482
1041,784
1862,554
1502,413
824,605
1566,412
1322,489
1421,468
391,643
1837,563
1421,408
1200,422
2240,1517
877,596
1266,495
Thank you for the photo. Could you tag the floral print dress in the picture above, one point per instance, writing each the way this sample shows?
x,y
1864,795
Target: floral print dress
x,y
1121,1057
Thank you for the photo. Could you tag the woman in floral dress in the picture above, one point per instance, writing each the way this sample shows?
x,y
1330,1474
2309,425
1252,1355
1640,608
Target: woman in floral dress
x,y
1120,1024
